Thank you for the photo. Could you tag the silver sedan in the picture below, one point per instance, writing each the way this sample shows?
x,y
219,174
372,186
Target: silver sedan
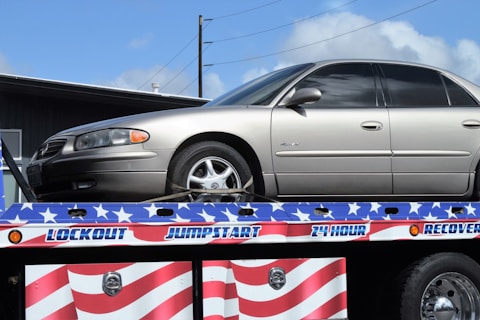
x,y
336,130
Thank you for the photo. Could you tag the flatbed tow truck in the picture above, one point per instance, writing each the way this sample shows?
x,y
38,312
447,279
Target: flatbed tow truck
x,y
252,260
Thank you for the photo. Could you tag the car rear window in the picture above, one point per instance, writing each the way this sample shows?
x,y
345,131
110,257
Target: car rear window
x,y
413,86
457,95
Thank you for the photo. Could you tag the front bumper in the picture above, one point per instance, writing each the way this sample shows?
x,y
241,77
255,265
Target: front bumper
x,y
103,174
101,187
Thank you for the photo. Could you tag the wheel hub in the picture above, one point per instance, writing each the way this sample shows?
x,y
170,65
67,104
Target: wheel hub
x,y
450,296
213,173
442,308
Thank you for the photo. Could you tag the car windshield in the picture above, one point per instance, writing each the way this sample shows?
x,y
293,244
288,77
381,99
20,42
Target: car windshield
x,y
262,90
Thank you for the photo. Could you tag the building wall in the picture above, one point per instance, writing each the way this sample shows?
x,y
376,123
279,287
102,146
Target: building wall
x,y
41,108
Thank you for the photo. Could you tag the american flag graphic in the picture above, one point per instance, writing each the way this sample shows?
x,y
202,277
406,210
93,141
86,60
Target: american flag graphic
x,y
150,290
106,224
239,289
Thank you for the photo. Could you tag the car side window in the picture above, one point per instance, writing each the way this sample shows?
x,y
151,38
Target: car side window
x,y
408,86
457,95
342,85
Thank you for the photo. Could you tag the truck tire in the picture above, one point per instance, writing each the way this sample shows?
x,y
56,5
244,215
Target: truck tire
x,y
209,166
440,286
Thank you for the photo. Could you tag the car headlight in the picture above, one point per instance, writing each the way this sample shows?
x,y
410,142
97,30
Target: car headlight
x,y
110,137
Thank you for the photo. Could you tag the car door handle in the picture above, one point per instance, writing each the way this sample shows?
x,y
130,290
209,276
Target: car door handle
x,y
471,123
372,125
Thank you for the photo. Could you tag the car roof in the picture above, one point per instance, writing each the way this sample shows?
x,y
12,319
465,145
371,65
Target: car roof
x,y
399,62
470,86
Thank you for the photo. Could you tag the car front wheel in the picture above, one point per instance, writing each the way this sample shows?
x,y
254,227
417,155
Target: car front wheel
x,y
210,172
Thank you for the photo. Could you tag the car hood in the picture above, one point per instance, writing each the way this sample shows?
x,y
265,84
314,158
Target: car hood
x,y
137,120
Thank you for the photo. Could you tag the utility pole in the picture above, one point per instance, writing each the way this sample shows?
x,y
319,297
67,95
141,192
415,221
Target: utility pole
x,y
200,84
200,63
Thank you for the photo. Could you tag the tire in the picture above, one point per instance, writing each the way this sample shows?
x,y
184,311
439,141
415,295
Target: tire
x,y
441,286
210,166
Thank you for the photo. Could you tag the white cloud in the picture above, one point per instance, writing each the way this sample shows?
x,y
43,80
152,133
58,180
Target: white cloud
x,y
142,41
332,36
170,81
467,59
4,66
212,86
253,73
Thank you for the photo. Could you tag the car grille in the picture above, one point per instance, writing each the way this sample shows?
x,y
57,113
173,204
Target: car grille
x,y
50,148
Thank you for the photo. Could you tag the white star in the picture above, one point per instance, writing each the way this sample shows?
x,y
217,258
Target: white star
x,y
430,217
414,206
122,215
450,213
353,208
277,206
471,210
48,216
27,205
180,219
302,216
101,212
17,220
206,216
152,210
183,205
231,217
374,206
436,204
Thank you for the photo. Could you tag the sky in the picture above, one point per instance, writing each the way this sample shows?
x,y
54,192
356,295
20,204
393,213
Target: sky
x,y
131,44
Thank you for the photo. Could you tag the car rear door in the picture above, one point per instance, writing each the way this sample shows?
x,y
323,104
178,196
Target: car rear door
x,y
435,132
339,145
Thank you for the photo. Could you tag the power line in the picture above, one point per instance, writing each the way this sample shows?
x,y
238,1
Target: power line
x,y
181,71
328,39
245,11
170,61
193,81
284,25
193,39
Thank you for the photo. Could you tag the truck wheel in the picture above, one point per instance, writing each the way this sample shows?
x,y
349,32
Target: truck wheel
x,y
211,166
441,286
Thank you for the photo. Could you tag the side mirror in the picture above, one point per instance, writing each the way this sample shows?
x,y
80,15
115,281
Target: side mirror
x,y
301,96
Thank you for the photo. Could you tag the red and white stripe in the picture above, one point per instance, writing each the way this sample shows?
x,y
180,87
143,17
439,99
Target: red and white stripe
x,y
314,289
156,290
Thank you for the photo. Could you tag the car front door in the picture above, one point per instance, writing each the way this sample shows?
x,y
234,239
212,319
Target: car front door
x,y
339,145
